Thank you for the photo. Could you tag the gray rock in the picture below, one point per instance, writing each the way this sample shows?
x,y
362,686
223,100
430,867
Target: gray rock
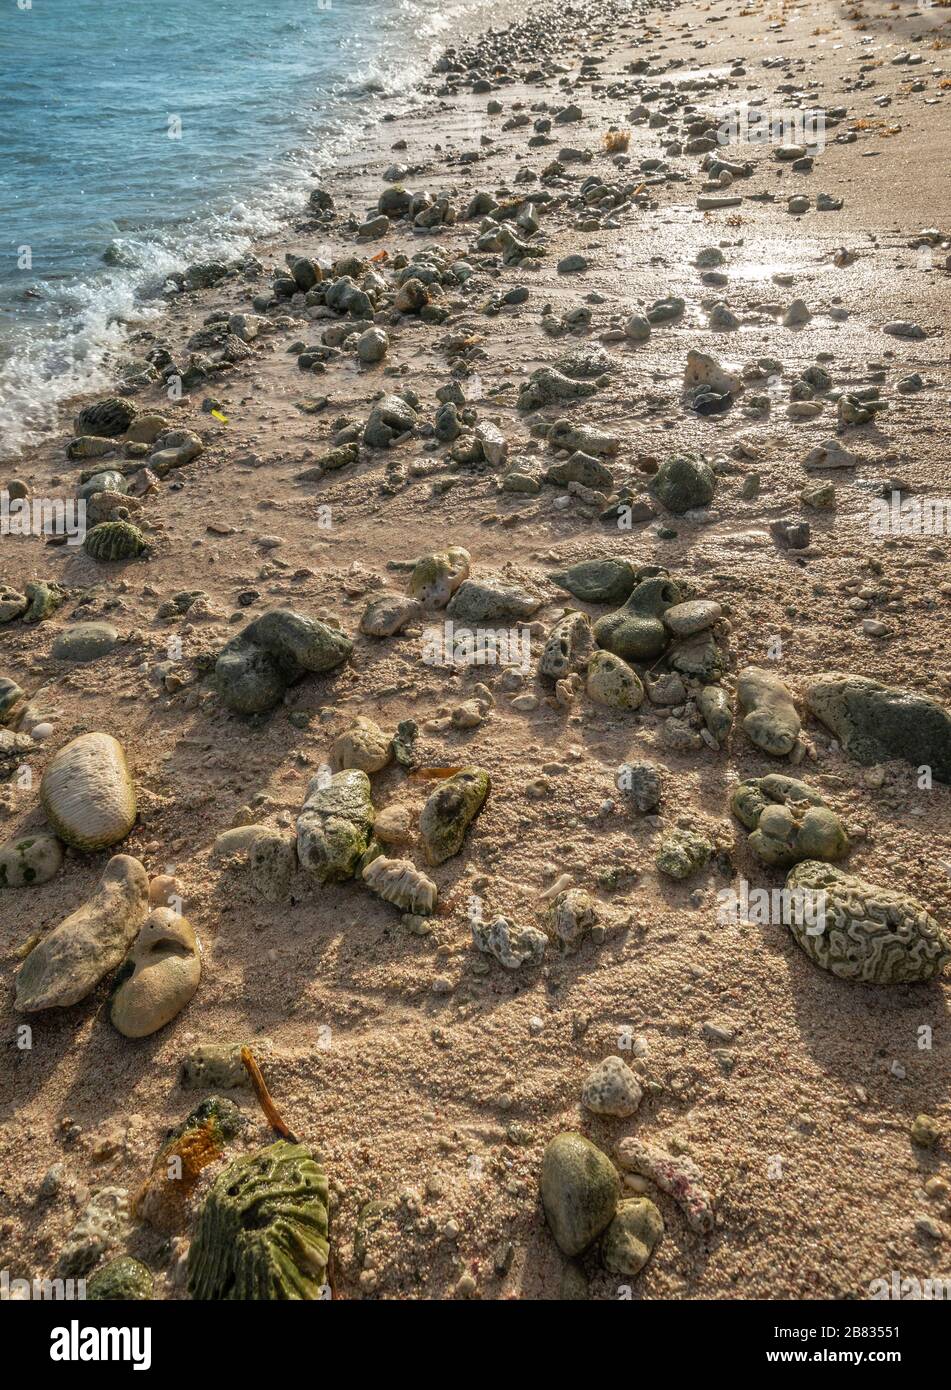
x,y
476,601
333,828
769,715
875,722
611,1088
85,642
640,782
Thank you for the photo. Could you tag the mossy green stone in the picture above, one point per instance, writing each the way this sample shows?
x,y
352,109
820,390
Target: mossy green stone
x,y
450,811
598,581
580,1190
114,540
635,632
122,1280
628,1242
262,1232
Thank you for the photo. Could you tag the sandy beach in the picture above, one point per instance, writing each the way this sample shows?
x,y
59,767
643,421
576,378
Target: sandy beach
x,y
429,1074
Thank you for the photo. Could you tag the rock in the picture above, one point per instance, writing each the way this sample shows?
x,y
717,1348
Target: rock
x,y
399,882
30,859
704,370
272,860
570,917
567,647
629,1240
238,840
770,720
580,1189
395,825
569,265
372,345
262,1231
875,722
699,658
101,1225
333,828
926,1132
188,1148
273,652
585,439
12,604
789,821
71,960
477,602
218,1066
14,750
637,329
612,682
640,781
449,812
85,642
683,483
611,1088
436,577
387,614
114,540
830,454
548,387
512,946
389,418
687,619
581,468
683,853
88,794
493,442
42,600
715,707
636,631
124,1280
105,418
598,581
10,696
860,931
902,328
158,977
363,745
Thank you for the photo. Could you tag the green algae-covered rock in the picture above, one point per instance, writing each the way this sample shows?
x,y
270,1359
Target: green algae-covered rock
x,y
262,1232
789,821
860,931
187,1149
122,1280
105,418
628,1242
580,1189
635,632
612,682
42,600
682,853
114,540
333,828
598,581
10,694
684,483
875,722
272,652
450,811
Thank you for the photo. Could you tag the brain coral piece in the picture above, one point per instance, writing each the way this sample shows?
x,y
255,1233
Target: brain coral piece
x,y
262,1231
114,540
106,418
864,932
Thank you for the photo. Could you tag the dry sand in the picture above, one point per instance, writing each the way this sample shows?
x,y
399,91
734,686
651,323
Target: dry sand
x,y
442,1076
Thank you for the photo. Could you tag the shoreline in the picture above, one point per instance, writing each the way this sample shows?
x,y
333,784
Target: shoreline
x,y
431,1075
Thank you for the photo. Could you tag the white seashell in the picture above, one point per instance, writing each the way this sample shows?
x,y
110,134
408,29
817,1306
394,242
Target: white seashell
x,y
87,793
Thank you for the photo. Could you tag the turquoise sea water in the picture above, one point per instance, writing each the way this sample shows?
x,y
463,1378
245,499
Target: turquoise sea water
x,y
140,135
